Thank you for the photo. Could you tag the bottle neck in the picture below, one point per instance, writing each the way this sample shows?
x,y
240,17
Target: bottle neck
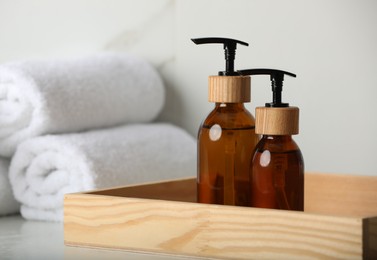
x,y
278,143
278,138
230,105
230,115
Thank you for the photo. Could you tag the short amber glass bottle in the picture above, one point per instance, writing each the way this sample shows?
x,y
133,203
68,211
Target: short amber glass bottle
x,y
277,166
226,139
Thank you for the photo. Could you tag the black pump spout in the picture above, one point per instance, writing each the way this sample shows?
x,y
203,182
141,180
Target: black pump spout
x,y
230,46
277,78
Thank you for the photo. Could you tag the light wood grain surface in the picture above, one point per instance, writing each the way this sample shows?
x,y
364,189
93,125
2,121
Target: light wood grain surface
x,y
229,89
225,232
277,120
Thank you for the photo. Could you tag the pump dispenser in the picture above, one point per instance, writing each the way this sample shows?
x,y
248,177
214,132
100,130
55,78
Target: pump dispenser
x,y
226,137
277,167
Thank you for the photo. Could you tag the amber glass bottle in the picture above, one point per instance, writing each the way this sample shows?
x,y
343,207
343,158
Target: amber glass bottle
x,y
226,139
277,166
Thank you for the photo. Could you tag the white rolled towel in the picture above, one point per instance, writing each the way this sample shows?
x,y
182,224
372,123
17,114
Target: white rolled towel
x,y
8,204
62,96
45,168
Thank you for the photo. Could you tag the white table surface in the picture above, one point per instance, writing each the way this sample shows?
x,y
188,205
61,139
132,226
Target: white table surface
x,y
24,239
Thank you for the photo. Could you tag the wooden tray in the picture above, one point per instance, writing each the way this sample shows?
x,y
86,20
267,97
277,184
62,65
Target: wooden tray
x,y
340,221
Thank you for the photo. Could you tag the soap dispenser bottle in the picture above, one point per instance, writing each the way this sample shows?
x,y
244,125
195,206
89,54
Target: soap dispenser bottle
x,y
227,136
277,167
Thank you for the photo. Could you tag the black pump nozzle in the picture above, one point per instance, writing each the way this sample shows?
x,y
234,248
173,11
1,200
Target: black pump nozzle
x,y
277,78
230,46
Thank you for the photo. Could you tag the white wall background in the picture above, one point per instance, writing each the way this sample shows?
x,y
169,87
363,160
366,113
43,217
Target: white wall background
x,y
330,44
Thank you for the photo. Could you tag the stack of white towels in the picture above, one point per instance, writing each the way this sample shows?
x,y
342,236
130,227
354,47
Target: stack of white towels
x,y
82,124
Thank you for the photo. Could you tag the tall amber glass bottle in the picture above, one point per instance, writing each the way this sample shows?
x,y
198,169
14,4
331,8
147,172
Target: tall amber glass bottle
x,y
277,167
226,138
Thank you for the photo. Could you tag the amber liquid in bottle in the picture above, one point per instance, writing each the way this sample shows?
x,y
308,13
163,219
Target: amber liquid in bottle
x,y
225,141
277,174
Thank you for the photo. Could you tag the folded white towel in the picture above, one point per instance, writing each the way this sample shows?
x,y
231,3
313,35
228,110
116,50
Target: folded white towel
x,y
62,96
8,204
44,168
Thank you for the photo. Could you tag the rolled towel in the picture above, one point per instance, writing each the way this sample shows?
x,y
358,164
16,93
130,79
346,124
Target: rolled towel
x,y
63,96
45,168
8,204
